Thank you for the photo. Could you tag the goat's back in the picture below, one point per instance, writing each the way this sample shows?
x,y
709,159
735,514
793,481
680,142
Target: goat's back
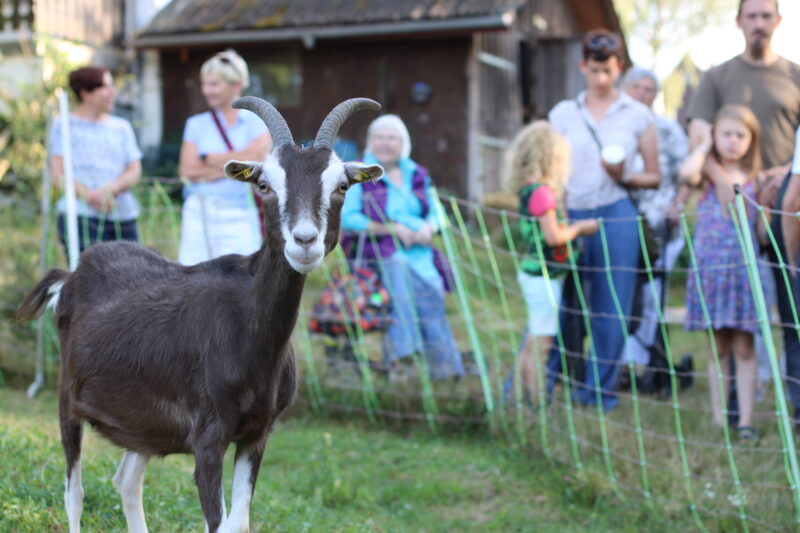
x,y
145,341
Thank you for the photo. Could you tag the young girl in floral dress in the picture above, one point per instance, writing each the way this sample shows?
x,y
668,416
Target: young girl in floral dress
x,y
729,157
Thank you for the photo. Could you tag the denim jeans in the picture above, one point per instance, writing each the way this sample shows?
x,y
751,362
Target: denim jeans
x,y
419,321
602,366
92,230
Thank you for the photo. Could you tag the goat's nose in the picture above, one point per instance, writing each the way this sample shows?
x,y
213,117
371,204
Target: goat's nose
x,y
304,237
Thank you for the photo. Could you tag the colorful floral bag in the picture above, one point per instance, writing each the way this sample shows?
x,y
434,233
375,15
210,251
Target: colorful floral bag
x,y
351,300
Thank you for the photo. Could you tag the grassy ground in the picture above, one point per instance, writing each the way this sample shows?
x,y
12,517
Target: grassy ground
x,y
409,480
317,475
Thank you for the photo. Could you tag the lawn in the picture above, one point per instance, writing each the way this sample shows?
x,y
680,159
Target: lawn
x,y
556,468
318,474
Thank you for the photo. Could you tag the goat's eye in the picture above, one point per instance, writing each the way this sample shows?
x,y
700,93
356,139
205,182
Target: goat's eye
x,y
343,188
263,187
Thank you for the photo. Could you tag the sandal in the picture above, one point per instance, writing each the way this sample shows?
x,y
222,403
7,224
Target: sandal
x,y
747,434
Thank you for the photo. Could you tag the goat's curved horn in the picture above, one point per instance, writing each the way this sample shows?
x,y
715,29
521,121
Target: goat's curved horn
x,y
272,118
330,126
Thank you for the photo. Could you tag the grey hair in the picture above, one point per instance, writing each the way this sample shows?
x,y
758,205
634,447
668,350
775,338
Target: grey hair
x,y
637,73
396,123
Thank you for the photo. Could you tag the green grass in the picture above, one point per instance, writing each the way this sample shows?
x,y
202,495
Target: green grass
x,y
318,475
471,477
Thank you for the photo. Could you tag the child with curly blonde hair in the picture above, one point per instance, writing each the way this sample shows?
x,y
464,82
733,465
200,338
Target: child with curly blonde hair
x,y
538,167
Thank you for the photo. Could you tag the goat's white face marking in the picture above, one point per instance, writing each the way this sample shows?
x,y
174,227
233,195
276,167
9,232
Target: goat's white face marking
x,y
304,241
273,172
300,258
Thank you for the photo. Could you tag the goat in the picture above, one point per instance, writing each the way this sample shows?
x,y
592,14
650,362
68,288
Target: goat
x,y
162,358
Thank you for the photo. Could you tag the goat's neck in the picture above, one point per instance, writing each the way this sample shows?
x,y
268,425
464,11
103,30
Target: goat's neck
x,y
274,301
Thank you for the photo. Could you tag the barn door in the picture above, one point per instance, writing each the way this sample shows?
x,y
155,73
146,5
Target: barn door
x,y
495,108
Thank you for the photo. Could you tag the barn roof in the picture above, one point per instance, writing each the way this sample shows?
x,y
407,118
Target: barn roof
x,y
183,21
213,22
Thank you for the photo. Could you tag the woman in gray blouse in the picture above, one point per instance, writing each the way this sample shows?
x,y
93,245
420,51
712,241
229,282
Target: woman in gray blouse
x,y
606,129
106,162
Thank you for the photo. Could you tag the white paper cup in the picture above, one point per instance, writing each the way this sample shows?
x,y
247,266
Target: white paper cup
x,y
613,154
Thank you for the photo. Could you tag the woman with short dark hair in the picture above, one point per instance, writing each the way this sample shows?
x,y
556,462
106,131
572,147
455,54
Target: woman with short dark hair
x,y
106,162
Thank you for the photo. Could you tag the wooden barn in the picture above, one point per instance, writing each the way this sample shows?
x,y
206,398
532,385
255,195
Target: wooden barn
x,y
463,74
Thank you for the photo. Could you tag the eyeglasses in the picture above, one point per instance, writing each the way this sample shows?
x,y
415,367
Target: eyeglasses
x,y
603,42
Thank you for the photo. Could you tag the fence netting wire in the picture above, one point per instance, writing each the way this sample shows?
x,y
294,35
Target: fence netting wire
x,y
659,443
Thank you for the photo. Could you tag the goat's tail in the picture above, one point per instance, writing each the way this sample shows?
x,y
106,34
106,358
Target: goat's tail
x,y
46,291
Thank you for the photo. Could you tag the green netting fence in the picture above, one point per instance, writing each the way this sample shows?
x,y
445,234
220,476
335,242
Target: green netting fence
x,y
660,450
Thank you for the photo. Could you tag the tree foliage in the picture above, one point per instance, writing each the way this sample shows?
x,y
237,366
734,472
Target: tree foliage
x,y
664,24
23,121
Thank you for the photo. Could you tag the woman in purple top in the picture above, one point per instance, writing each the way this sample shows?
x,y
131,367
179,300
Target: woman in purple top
x,y
402,204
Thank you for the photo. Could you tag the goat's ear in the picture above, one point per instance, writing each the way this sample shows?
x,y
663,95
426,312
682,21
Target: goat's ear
x,y
359,172
243,170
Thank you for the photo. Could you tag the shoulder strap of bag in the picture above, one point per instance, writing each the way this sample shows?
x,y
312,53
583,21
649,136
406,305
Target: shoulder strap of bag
x,y
589,127
221,130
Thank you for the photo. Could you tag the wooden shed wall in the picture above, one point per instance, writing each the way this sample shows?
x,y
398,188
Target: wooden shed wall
x,y
332,72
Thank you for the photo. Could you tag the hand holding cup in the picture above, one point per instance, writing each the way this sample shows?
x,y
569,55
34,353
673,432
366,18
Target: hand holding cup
x,y
612,156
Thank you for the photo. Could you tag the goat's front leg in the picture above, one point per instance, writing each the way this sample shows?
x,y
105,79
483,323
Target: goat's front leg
x,y
208,476
128,481
245,473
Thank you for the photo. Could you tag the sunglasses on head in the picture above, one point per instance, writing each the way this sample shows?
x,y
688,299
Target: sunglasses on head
x,y
603,42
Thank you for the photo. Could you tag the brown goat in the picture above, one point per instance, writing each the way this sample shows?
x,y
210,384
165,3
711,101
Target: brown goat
x,y
161,358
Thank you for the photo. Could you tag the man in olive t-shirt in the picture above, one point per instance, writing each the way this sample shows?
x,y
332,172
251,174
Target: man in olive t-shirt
x,y
770,86
759,79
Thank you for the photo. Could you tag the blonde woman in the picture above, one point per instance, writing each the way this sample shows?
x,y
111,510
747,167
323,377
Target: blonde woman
x,y
538,168
219,214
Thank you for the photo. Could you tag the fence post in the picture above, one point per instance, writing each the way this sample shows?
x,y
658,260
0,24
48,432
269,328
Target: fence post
x,y
784,420
38,381
71,217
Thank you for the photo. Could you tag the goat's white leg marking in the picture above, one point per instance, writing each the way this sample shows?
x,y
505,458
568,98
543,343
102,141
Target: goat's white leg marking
x,y
239,519
73,498
128,481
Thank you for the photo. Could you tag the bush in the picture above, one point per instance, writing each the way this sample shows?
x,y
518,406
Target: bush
x,y
23,122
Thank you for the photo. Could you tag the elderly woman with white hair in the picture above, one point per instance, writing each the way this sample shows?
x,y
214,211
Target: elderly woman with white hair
x,y
401,204
661,208
219,214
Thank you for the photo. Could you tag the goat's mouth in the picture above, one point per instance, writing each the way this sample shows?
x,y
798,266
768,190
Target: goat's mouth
x,y
304,263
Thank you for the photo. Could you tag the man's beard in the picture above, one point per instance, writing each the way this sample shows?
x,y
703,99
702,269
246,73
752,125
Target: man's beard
x,y
758,46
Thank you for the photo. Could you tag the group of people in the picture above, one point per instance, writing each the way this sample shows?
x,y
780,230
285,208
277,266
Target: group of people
x,y
221,216
600,160
624,161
